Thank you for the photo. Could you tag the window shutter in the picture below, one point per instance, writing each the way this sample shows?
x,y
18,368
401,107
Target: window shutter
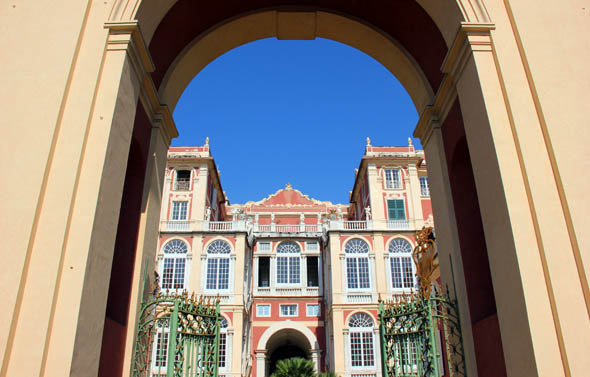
x,y
396,209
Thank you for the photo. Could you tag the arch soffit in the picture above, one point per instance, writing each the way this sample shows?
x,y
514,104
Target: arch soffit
x,y
446,14
284,325
253,27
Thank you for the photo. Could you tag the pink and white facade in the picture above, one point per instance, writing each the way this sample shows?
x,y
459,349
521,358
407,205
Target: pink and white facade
x,y
296,276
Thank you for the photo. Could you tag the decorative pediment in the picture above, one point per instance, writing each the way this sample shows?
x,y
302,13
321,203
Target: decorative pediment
x,y
288,198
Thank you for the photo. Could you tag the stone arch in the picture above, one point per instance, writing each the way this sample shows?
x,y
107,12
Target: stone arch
x,y
272,338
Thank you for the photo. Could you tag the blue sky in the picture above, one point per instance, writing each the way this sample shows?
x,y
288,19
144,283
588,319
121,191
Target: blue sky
x,y
296,112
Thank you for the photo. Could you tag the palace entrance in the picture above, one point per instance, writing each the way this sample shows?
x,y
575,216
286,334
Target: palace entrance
x,y
285,344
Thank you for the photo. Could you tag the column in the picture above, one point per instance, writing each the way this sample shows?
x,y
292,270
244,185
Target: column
x,y
303,272
447,238
261,363
316,358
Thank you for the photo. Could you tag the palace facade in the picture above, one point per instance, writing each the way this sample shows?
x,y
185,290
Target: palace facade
x,y
295,276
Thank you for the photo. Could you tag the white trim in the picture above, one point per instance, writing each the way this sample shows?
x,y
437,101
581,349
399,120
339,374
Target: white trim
x,y
307,305
289,304
269,310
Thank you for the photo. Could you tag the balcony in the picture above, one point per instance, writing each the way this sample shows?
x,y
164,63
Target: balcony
x,y
380,225
287,228
182,185
313,230
202,226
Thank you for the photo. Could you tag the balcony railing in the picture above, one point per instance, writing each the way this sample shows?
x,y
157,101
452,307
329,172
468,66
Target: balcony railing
x,y
372,225
287,228
182,185
287,291
242,226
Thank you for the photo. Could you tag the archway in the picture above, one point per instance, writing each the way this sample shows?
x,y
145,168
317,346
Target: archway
x,y
414,58
106,85
285,344
284,340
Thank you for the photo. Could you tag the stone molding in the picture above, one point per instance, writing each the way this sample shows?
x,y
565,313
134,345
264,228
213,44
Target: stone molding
x,y
126,36
471,37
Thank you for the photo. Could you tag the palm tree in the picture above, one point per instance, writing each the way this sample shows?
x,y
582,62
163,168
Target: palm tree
x,y
294,367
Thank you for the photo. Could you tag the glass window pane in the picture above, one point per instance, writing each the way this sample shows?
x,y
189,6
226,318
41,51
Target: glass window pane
x,y
368,356
294,273
396,272
351,273
355,349
212,273
282,270
363,265
223,282
179,273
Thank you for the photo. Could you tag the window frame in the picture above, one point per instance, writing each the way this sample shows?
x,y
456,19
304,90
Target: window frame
x,y
308,305
264,305
289,257
396,184
401,256
356,257
172,210
362,332
174,257
218,257
403,207
289,315
424,186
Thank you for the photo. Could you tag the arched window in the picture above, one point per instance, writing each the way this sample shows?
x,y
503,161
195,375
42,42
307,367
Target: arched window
x,y
173,268
361,340
223,325
357,264
288,263
401,264
218,265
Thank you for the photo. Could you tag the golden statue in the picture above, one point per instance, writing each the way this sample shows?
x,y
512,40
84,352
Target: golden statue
x,y
423,255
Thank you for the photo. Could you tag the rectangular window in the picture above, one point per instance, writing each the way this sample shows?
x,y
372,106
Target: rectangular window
x,y
217,273
288,271
357,272
264,246
361,349
263,310
424,187
179,210
288,310
392,179
396,209
312,272
161,349
173,273
313,310
311,246
222,349
264,272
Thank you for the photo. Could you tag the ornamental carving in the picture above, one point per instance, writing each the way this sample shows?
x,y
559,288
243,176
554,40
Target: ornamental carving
x,y
424,255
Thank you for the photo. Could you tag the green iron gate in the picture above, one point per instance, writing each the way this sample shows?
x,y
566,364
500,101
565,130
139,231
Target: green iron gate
x,y
177,336
421,332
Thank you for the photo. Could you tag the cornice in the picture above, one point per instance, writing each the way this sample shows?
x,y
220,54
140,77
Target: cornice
x,y
126,36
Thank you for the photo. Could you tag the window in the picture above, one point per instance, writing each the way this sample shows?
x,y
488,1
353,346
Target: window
x,y
424,187
396,209
361,340
183,180
179,210
161,349
392,179
357,264
288,310
312,272
263,310
313,310
218,265
311,246
263,272
264,246
223,325
401,264
288,268
173,265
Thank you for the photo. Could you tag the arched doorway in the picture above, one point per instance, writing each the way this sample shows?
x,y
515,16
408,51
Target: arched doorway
x,y
285,344
68,229
284,340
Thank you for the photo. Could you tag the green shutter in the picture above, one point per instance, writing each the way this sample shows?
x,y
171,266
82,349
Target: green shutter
x,y
396,209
